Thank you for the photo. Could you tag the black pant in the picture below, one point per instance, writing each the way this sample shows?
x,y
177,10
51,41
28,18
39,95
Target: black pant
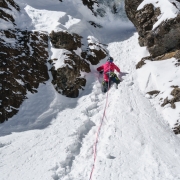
x,y
112,79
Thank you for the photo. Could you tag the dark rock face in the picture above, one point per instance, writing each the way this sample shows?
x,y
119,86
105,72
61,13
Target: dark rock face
x,y
153,93
176,97
67,80
144,20
164,38
64,40
131,9
162,42
94,55
4,4
22,64
90,4
3,14
176,127
175,54
95,24
23,67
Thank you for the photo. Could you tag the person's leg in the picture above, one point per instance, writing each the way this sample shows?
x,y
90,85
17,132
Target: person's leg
x,y
105,86
115,79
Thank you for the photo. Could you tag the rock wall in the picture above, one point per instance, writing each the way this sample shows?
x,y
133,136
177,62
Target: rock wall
x,y
162,39
90,4
162,42
68,80
24,55
22,63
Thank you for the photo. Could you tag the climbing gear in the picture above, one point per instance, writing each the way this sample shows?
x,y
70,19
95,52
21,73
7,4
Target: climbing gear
x,y
113,77
108,67
100,72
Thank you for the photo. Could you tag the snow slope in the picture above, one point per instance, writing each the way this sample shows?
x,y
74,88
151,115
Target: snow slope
x,y
52,137
135,142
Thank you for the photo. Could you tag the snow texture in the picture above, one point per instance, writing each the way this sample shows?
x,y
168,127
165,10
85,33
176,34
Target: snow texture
x,y
52,137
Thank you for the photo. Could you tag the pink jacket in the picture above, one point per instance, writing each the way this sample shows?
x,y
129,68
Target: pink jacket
x,y
108,67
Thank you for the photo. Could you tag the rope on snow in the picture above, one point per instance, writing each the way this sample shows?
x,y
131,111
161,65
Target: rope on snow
x,y
97,136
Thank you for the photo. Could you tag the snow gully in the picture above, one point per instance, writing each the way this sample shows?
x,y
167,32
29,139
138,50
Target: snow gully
x,y
97,137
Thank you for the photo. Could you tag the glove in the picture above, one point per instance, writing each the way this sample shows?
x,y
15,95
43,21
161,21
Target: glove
x,y
101,72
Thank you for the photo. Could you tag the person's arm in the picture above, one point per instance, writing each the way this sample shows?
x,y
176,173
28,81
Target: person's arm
x,y
101,68
116,68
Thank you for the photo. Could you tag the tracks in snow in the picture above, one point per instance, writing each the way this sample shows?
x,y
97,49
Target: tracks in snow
x,y
84,139
134,141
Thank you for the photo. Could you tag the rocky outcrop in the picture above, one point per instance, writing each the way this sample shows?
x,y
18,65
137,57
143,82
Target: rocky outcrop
x,y
165,39
173,54
23,67
153,93
143,19
176,127
162,39
101,7
131,10
90,4
65,40
22,63
162,42
4,4
176,97
3,14
95,51
68,79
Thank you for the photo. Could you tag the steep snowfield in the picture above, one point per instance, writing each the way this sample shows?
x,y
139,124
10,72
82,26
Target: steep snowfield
x,y
135,142
52,137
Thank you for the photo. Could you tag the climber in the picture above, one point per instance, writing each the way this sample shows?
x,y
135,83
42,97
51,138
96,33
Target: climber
x,y
109,75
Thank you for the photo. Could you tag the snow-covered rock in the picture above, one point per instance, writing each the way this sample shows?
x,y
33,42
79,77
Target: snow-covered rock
x,y
23,60
158,26
72,62
157,23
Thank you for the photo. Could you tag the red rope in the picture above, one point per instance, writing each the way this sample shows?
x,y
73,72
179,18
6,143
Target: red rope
x,y
98,132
